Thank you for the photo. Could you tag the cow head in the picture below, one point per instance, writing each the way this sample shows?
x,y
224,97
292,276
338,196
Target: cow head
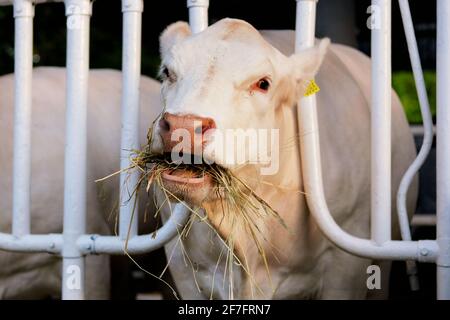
x,y
224,86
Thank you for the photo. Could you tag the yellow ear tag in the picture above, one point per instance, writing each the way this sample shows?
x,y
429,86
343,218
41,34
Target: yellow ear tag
x,y
311,89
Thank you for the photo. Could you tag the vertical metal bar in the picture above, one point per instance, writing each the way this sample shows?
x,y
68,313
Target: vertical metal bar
x,y
381,122
78,15
131,72
198,15
23,66
305,26
443,148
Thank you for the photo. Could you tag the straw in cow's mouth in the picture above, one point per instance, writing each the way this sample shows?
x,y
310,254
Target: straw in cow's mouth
x,y
237,198
239,202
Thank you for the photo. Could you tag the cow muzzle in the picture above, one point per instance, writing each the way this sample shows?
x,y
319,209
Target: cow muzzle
x,y
184,138
185,133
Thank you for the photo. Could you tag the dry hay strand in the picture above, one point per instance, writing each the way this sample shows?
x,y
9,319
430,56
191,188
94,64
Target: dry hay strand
x,y
239,203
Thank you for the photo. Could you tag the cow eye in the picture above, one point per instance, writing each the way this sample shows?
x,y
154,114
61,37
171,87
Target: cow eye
x,y
167,74
263,85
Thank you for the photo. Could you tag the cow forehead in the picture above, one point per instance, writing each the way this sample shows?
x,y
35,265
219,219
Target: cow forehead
x,y
230,30
229,44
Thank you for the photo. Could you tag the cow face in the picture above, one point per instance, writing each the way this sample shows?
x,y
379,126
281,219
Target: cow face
x,y
223,91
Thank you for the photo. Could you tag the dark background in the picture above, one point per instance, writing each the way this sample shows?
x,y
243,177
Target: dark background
x,y
344,21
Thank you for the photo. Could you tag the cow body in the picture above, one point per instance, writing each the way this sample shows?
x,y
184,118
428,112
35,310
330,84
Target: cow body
x,y
302,262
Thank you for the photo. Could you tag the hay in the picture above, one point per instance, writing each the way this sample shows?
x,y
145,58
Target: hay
x,y
239,203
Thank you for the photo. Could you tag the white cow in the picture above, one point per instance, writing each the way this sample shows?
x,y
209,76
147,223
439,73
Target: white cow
x,y
230,76
214,77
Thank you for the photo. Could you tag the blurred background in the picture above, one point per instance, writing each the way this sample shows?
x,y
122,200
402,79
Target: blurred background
x,y
344,21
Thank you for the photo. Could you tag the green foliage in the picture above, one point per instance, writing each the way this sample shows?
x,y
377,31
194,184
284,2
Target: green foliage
x,y
403,84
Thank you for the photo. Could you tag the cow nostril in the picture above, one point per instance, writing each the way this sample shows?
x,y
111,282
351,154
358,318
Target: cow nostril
x,y
207,125
199,129
164,125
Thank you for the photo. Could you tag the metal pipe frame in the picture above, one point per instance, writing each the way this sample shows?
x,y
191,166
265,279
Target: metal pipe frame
x,y
381,125
78,14
23,66
74,244
131,73
428,132
411,266
20,239
380,247
95,244
443,148
198,15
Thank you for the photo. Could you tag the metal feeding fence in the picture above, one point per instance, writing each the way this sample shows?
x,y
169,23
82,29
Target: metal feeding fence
x,y
73,244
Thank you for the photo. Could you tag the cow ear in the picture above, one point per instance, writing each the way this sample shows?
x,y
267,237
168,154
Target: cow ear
x,y
173,34
306,63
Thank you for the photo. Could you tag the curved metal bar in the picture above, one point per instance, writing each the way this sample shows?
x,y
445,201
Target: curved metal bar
x,y
95,244
78,13
427,143
426,250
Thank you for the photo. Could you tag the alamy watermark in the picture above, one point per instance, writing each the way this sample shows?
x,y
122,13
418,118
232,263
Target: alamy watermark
x,y
229,147
374,20
373,281
72,279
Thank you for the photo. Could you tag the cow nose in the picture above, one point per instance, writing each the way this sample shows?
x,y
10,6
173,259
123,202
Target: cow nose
x,y
193,126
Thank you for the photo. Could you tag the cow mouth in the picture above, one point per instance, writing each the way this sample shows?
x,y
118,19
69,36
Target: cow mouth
x,y
190,182
186,176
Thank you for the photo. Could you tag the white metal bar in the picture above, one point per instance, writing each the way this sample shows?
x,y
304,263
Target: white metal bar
x,y
305,25
131,73
95,244
78,14
443,148
23,68
51,243
198,15
381,124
